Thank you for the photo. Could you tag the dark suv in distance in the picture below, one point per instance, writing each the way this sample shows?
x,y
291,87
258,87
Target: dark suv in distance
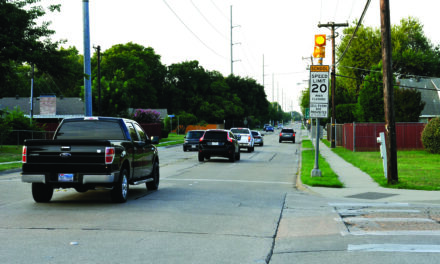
x,y
192,139
287,134
219,143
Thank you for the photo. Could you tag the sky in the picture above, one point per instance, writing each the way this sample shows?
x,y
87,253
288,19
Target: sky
x,y
272,40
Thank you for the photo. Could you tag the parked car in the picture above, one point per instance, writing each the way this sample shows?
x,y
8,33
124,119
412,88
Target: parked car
x,y
265,126
246,138
219,143
287,134
192,140
269,129
258,138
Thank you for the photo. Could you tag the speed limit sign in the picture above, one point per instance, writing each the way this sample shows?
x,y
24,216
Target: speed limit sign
x,y
319,80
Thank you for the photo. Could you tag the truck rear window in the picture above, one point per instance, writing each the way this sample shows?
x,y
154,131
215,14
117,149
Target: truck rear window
x,y
89,129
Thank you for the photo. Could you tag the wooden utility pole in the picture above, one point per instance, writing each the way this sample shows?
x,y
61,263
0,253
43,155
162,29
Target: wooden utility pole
x,y
332,26
388,92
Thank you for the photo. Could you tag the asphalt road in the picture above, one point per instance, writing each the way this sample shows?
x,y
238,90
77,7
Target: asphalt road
x,y
214,212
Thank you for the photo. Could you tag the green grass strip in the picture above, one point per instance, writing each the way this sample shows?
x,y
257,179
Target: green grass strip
x,y
328,178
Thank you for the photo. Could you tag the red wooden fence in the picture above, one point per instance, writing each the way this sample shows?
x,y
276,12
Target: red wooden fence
x,y
363,136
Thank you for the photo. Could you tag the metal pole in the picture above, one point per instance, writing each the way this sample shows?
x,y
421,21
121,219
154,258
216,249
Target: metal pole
x,y
232,58
99,80
87,63
32,95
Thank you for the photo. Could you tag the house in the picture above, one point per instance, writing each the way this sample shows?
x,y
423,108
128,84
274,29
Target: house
x,y
430,90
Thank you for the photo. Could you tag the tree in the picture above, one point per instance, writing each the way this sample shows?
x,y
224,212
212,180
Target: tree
x,y
132,77
370,102
22,40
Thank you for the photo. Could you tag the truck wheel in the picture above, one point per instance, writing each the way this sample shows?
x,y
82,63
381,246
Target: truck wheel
x,y
41,192
201,158
120,190
154,185
237,156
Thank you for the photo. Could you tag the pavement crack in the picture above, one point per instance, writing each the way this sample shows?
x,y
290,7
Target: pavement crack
x,y
269,256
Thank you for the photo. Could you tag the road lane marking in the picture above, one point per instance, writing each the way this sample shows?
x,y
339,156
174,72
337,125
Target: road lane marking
x,y
397,233
236,181
395,248
386,219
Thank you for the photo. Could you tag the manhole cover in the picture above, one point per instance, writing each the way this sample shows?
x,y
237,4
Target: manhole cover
x,y
371,195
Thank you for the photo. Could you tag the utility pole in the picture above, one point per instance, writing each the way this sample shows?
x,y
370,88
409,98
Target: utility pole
x,y
99,79
388,92
87,66
332,26
32,94
232,45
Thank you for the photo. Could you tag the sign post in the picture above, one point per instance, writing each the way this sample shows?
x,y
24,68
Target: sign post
x,y
319,80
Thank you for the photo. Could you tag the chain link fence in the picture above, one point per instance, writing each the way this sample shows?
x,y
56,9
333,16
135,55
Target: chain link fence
x,y
17,137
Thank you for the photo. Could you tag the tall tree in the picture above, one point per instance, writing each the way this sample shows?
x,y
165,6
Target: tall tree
x,y
132,75
22,40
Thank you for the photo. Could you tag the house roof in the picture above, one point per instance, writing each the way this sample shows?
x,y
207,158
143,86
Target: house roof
x,y
65,107
430,91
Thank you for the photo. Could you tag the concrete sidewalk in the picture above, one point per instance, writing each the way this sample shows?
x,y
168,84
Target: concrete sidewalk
x,y
360,186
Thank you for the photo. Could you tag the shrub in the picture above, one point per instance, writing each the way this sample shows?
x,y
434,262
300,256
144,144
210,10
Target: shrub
x,y
431,136
146,116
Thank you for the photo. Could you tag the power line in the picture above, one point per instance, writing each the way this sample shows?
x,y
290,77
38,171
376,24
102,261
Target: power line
x,y
381,83
194,34
354,33
207,21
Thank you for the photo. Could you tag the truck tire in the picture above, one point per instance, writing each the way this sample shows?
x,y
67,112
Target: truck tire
x,y
232,157
41,192
120,190
154,185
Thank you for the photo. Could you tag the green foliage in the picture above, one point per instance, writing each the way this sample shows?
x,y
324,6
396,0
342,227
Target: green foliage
x,y
345,113
370,106
408,105
431,136
22,41
14,120
131,77
185,119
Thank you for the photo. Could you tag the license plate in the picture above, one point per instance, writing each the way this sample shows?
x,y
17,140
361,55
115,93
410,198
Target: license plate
x,y
65,177
194,146
214,143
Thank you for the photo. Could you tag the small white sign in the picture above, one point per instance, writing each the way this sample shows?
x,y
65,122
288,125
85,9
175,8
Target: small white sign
x,y
319,110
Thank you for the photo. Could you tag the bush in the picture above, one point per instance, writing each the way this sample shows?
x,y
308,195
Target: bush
x,y
431,136
146,116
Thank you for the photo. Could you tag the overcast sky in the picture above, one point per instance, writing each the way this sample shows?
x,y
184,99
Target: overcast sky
x,y
182,30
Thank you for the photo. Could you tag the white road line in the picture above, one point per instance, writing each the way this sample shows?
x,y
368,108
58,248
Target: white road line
x,y
397,233
368,204
386,219
236,181
395,248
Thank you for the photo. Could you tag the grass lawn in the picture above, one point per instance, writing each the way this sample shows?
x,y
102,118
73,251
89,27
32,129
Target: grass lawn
x,y
10,154
417,169
328,179
172,139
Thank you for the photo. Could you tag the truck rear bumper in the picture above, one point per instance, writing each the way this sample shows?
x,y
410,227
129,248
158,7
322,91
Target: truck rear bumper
x,y
86,178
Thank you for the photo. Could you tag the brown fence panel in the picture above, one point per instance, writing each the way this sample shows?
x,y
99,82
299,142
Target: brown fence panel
x,y
408,136
152,130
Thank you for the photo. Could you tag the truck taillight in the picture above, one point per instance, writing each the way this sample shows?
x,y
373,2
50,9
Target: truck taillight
x,y
201,139
281,134
249,138
229,139
109,155
24,153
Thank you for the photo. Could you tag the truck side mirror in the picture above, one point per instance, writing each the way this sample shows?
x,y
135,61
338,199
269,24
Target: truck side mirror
x,y
155,140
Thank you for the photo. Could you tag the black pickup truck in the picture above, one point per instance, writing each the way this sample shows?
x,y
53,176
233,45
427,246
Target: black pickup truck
x,y
89,153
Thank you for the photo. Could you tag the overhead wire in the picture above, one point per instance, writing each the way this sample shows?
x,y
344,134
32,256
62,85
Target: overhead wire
x,y
192,32
207,20
355,30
